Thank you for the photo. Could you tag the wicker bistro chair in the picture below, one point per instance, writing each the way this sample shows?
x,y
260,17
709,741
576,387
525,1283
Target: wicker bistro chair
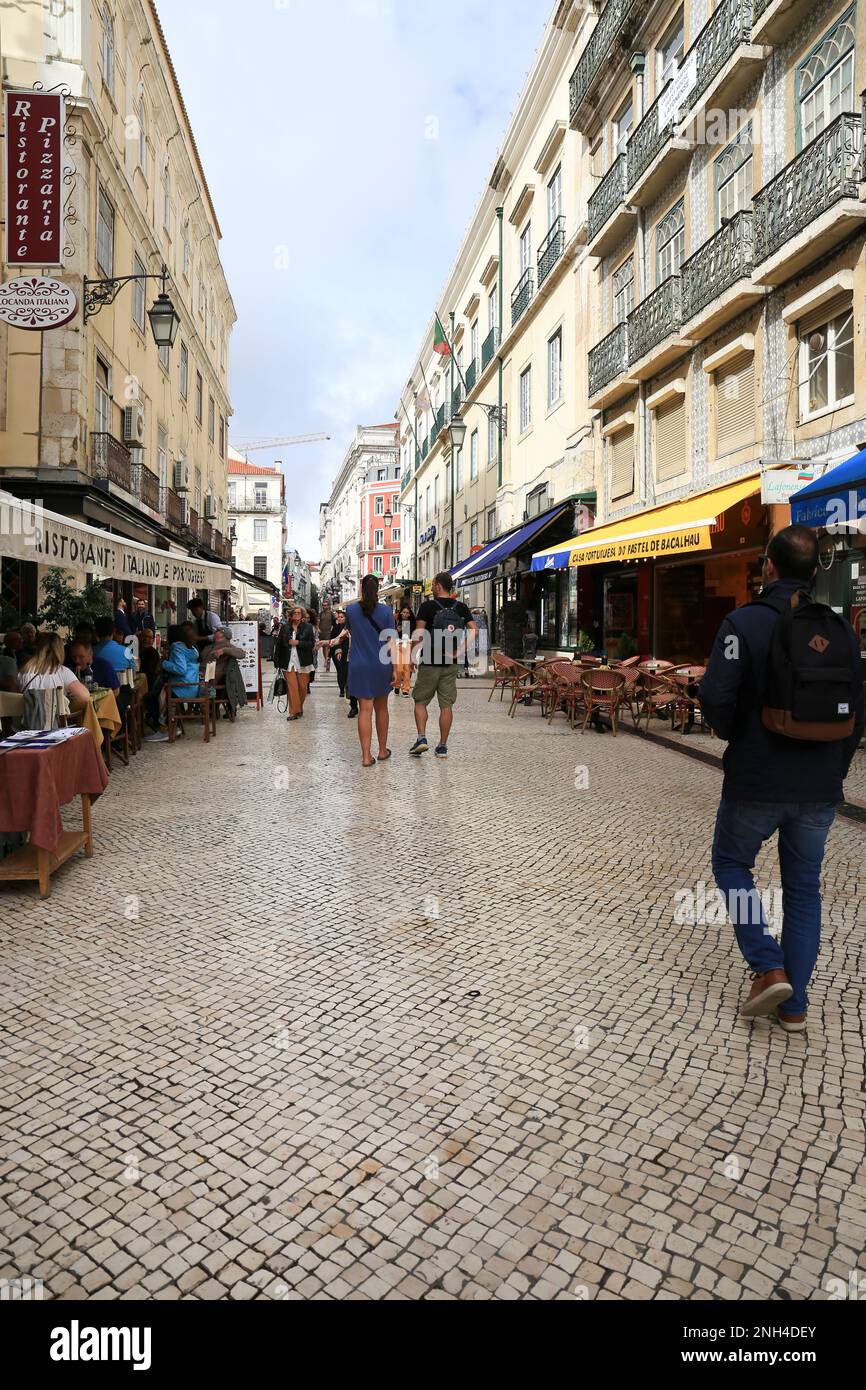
x,y
688,702
602,690
530,687
631,691
503,675
659,694
203,706
626,665
566,690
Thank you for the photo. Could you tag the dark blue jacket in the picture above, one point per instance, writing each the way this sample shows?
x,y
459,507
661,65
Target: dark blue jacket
x,y
759,765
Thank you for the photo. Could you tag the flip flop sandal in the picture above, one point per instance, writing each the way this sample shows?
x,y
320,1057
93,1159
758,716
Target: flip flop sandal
x,y
383,757
371,764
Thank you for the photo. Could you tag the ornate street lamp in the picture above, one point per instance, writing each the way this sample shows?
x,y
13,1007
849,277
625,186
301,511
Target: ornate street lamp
x,y
457,431
164,318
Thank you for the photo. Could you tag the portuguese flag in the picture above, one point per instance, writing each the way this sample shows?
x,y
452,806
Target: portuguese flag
x,y
440,342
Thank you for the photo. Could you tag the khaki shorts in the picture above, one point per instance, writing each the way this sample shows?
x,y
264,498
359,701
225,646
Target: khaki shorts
x,y
436,680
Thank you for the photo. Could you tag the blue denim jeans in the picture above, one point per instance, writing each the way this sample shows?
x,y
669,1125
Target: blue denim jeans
x,y
741,829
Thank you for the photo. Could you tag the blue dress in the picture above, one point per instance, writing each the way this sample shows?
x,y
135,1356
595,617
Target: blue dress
x,y
369,676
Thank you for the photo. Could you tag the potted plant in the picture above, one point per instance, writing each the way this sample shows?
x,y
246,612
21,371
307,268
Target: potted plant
x,y
626,647
64,604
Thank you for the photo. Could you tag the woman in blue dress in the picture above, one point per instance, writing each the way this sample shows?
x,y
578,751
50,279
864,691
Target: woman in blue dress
x,y
371,670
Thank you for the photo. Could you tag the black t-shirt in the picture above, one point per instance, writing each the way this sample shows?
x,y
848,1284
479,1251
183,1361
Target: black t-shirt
x,y
438,646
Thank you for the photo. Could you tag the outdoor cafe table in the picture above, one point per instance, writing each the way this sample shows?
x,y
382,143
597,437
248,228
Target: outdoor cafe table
x,y
34,784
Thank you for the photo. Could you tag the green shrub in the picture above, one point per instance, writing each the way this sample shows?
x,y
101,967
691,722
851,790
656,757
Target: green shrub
x,y
64,605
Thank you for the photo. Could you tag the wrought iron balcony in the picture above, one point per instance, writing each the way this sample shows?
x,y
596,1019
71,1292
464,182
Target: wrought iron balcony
x,y
608,359
607,197
217,543
145,485
457,397
472,374
655,318
489,348
425,448
729,25
205,533
438,425
192,522
522,296
647,140
602,39
172,508
826,171
718,264
551,249
758,7
111,460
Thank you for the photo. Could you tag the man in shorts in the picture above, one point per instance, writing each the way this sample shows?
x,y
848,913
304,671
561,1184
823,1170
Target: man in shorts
x,y
444,624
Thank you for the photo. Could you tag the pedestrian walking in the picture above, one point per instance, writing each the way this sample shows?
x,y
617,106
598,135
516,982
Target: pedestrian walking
x,y
784,687
405,623
326,623
442,628
294,655
341,650
371,672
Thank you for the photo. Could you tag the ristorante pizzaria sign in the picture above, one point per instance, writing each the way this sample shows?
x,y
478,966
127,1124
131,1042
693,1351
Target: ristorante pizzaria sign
x,y
34,124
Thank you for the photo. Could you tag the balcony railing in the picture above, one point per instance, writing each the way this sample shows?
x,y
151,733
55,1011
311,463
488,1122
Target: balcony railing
x,y
646,141
729,25
551,249
718,264
607,197
217,543
826,171
522,296
192,522
655,318
601,41
457,398
489,348
758,7
205,532
111,460
608,359
146,486
172,508
425,448
472,374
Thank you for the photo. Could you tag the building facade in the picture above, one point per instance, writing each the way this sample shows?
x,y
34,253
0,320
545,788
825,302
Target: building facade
x,y
297,581
514,312
727,231
95,421
257,518
347,521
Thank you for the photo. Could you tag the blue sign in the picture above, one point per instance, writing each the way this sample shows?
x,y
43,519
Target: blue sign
x,y
429,535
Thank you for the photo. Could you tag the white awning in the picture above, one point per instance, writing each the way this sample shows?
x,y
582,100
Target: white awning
x,y
29,532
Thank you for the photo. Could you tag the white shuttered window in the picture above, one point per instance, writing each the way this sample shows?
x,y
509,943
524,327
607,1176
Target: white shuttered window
x,y
620,450
670,437
735,405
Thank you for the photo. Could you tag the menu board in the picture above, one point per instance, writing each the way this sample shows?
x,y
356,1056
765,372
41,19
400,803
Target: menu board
x,y
246,636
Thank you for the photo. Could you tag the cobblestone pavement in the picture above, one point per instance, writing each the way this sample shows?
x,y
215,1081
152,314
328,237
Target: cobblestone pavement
x,y
431,1030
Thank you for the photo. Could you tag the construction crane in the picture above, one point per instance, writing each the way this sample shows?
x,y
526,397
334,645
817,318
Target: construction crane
x,y
254,444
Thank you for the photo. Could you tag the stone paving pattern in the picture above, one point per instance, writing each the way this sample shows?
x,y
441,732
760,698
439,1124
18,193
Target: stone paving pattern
x,y
301,1030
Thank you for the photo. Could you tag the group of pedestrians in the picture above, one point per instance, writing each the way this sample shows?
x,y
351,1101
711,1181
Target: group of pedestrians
x,y
374,652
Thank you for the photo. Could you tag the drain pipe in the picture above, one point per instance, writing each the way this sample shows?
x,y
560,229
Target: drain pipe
x,y
500,212
638,67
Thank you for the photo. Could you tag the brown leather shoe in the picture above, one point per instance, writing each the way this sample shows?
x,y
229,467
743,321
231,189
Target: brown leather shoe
x,y
767,992
792,1023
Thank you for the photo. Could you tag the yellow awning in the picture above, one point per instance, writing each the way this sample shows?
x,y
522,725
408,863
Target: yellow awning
x,y
674,529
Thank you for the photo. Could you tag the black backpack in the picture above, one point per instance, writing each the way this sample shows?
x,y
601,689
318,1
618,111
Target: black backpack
x,y
812,676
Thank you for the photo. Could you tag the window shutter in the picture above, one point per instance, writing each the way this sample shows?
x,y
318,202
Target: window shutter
x,y
735,405
670,431
621,463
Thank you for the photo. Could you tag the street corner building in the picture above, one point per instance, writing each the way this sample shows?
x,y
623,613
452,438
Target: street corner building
x,y
648,338
114,427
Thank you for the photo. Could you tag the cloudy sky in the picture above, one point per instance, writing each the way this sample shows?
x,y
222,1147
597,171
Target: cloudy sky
x,y
341,217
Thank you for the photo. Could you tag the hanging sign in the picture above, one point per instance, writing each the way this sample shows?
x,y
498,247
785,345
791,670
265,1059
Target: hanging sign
x,y
779,484
34,125
35,302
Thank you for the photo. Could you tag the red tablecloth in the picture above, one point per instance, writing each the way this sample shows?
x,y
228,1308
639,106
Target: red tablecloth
x,y
36,782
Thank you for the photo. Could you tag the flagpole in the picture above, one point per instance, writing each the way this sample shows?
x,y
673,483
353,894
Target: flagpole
x,y
451,351
411,426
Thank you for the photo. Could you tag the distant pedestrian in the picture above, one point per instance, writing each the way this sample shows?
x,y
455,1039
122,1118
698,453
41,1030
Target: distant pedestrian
x,y
326,623
404,623
784,686
441,632
294,654
340,645
370,676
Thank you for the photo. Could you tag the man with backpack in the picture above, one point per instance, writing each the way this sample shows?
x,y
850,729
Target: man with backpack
x,y
784,687
442,627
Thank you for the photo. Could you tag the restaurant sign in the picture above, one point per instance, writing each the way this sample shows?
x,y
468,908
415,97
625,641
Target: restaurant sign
x,y
28,532
34,125
779,484
35,302
642,547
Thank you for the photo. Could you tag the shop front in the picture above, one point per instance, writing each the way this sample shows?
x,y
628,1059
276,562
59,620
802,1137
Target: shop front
x,y
659,582
835,506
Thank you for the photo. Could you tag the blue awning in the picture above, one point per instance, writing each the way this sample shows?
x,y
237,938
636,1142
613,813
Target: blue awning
x,y
483,564
837,499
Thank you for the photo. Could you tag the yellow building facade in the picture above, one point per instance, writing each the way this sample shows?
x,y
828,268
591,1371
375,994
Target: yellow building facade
x,y
96,422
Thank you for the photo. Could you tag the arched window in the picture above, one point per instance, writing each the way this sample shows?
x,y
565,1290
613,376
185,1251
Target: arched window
x,y
107,49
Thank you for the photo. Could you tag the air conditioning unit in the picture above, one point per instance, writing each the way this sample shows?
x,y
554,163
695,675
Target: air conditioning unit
x,y
184,512
181,476
133,424
210,507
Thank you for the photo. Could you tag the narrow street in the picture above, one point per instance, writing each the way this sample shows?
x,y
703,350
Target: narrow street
x,y
454,1045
